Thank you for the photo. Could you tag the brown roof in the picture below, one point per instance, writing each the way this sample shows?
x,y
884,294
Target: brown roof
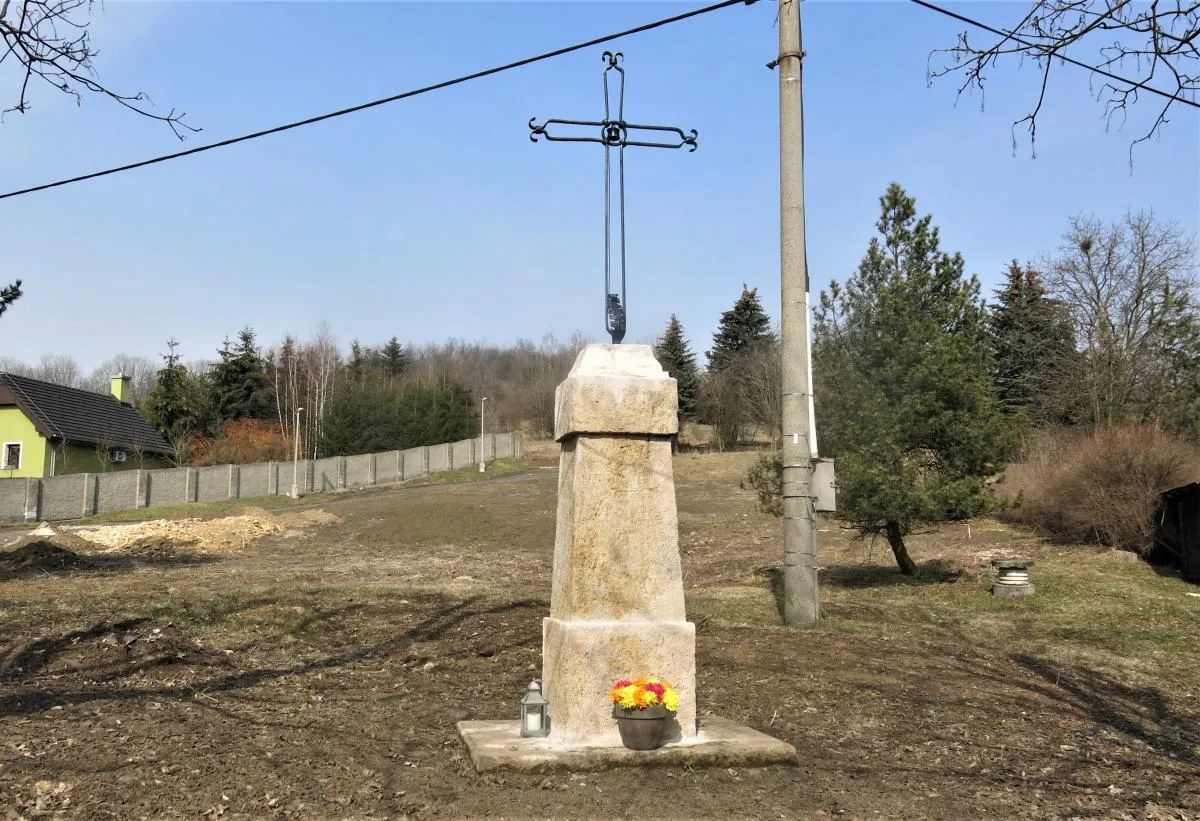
x,y
81,416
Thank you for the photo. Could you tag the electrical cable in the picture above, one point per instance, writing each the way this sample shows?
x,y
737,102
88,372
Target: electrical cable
x,y
383,101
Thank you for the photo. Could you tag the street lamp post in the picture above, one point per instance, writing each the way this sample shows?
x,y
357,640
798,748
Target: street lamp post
x,y
482,407
295,494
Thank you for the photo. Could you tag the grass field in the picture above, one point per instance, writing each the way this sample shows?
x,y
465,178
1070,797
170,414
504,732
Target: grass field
x,y
317,671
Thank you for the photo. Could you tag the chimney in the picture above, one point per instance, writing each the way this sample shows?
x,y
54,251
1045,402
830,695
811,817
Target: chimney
x,y
120,387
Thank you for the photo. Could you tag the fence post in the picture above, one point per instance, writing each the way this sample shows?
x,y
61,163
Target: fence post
x,y
89,495
235,481
310,474
33,499
141,490
518,445
425,460
372,476
400,465
341,472
272,478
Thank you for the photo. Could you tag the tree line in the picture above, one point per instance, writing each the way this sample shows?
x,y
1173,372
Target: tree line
x,y
254,403
925,391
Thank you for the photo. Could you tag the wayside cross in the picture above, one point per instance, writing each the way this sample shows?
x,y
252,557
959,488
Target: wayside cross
x,y
614,133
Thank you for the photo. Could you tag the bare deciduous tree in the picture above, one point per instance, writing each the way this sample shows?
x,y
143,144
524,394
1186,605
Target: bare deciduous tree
x,y
141,371
49,40
1116,279
1157,43
59,369
760,372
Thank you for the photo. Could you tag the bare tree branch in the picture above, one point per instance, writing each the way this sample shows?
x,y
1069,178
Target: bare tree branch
x,y
49,40
1159,42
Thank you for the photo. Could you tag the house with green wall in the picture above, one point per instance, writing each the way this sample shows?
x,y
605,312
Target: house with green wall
x,y
48,430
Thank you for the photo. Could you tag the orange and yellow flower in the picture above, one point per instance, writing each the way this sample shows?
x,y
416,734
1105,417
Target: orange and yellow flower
x,y
641,693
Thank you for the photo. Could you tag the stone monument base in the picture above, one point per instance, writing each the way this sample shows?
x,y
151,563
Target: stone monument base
x,y
582,660
497,745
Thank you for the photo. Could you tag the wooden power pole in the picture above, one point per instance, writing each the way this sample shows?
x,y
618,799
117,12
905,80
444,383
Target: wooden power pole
x,y
801,602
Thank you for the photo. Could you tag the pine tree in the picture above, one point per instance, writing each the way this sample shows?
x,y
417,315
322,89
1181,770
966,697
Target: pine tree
x,y
1172,397
1035,346
393,360
676,357
739,330
179,404
167,407
240,386
9,295
905,401
357,363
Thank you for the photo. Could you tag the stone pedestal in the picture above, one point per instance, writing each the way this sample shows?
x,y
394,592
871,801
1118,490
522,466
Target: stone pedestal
x,y
616,606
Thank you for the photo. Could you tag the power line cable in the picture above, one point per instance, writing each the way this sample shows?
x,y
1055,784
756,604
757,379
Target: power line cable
x,y
1011,36
383,101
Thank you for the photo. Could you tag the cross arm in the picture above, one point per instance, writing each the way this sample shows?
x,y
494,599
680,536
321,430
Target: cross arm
x,y
613,133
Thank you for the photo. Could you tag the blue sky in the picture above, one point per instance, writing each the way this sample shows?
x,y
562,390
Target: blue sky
x,y
436,217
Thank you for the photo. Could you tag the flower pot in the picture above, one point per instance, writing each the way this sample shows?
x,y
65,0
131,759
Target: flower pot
x,y
641,729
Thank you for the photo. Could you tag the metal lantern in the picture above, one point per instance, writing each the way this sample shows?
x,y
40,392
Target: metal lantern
x,y
535,717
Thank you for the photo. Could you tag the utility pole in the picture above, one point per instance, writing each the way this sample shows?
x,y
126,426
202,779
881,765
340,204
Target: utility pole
x,y
482,410
295,494
801,601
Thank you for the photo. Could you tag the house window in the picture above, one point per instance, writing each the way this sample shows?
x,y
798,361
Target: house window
x,y
12,456
117,455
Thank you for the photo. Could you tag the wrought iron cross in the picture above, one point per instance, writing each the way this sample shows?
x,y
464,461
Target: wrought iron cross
x,y
614,133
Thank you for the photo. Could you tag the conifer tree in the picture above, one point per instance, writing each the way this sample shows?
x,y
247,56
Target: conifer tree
x,y
393,360
740,329
166,407
1035,346
676,357
240,387
9,294
905,401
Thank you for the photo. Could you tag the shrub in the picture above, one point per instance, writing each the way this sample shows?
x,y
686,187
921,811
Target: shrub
x,y
243,442
1099,488
766,477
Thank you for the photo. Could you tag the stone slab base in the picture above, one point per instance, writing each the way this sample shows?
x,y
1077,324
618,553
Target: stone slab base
x,y
1012,589
581,660
497,745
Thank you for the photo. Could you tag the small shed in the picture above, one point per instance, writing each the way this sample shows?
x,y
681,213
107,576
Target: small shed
x,y
1177,528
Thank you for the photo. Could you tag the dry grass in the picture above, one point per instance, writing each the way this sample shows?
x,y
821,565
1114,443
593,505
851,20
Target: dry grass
x,y
1099,488
325,668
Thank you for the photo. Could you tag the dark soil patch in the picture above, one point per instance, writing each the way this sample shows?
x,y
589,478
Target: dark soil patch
x,y
40,557
45,557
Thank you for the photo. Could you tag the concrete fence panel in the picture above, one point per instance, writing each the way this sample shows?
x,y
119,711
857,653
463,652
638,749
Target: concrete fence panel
x,y
358,470
387,467
414,462
12,500
212,483
325,474
504,446
168,487
464,453
439,458
116,491
255,480
62,497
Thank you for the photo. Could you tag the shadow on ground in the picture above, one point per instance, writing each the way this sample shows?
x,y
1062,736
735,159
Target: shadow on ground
x,y
145,646
857,576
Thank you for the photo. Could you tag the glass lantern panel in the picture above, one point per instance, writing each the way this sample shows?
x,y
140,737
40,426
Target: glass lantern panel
x,y
533,719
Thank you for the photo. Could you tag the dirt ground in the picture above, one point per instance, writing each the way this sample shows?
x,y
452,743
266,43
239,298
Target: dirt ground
x,y
316,670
